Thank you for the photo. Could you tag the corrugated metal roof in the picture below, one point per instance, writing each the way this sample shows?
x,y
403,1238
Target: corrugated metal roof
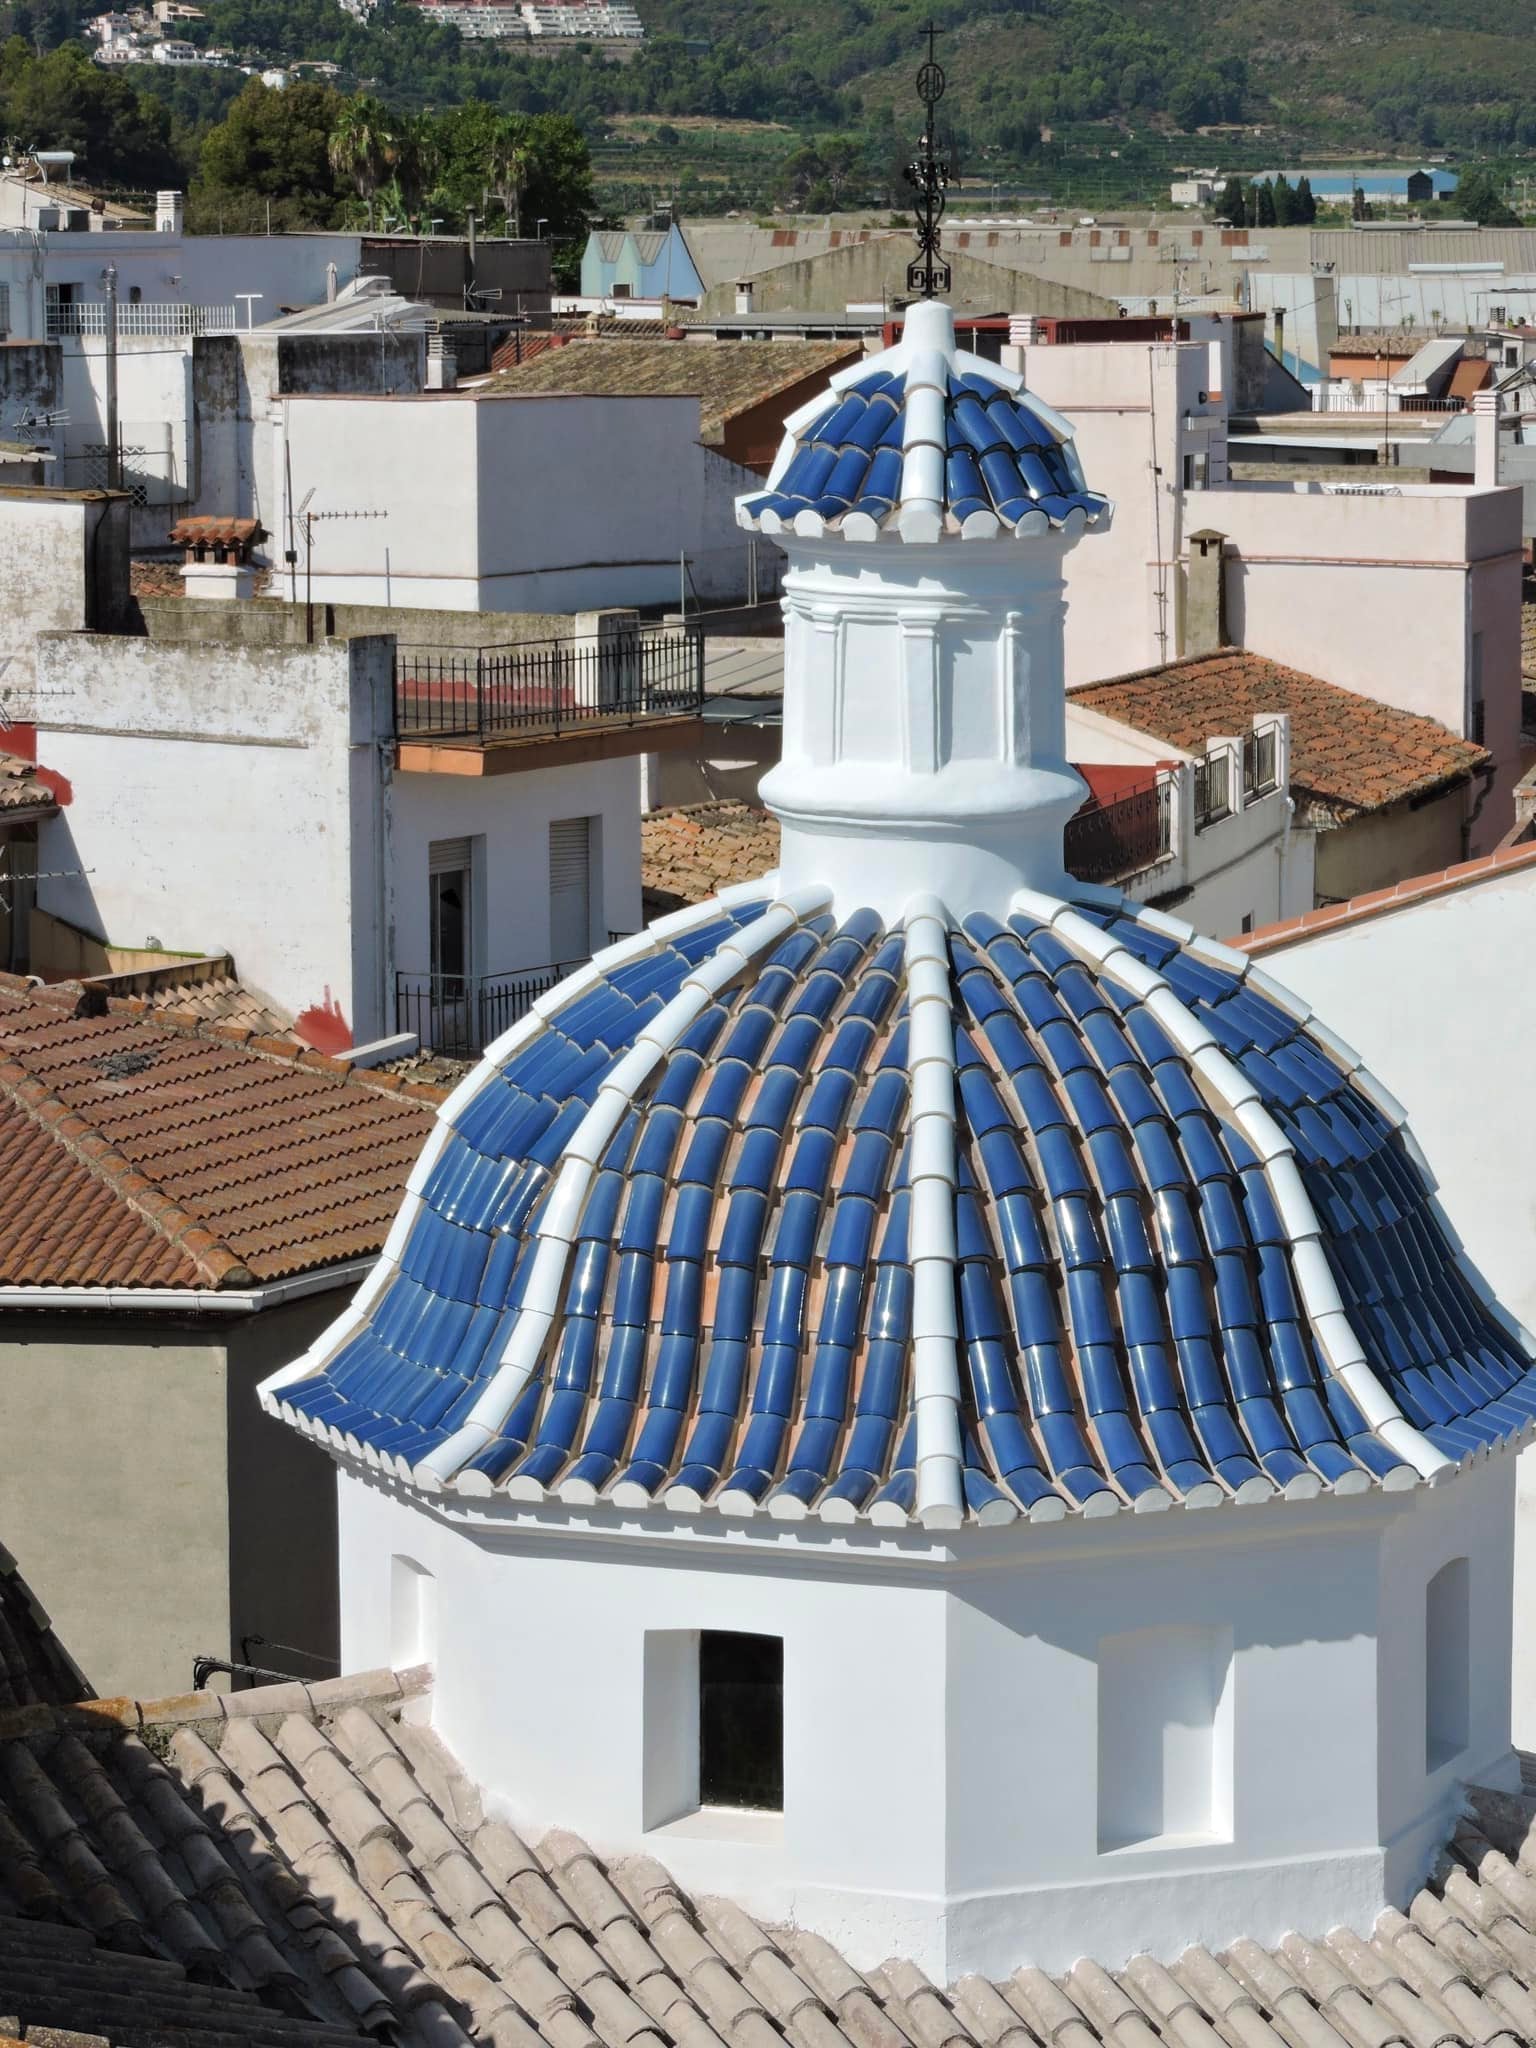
x,y
1384,251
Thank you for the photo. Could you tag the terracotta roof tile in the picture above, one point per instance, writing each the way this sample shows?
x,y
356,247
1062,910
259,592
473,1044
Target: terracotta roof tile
x,y
157,1156
1271,938
22,788
1349,754
691,851
306,1861
727,377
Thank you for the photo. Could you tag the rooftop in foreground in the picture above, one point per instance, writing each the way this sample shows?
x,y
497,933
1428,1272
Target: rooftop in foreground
x,y
306,1866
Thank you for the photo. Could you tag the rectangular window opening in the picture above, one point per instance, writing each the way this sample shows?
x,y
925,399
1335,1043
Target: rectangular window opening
x,y
741,1721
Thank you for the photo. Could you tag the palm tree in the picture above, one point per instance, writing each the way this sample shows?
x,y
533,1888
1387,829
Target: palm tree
x,y
363,146
511,159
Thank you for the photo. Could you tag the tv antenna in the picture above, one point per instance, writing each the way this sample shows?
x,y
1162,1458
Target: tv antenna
x,y
309,521
928,175
34,423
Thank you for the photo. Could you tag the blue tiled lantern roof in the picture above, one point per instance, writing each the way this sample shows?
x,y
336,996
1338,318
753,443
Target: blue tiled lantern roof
x,y
951,440
961,1221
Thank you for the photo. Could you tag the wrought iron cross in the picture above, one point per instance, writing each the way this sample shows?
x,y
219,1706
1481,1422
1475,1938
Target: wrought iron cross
x,y
928,175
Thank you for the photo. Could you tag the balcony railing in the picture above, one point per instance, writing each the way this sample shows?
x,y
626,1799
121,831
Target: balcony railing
x,y
168,319
548,687
458,1015
1107,841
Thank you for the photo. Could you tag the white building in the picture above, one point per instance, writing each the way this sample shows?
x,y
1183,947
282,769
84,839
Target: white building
x,y
403,887
1406,593
761,1413
507,502
1463,1081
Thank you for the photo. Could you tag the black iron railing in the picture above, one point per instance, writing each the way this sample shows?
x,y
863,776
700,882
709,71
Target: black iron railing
x,y
1260,763
547,687
1213,790
1104,842
458,1015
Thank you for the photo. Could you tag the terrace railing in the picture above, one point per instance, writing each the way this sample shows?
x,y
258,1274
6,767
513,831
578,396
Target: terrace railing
x,y
548,687
459,1015
1106,841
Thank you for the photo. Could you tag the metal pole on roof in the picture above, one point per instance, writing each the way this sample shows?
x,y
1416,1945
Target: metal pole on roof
x,y
114,445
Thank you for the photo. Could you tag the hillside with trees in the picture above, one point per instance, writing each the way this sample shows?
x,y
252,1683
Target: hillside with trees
x,y
804,103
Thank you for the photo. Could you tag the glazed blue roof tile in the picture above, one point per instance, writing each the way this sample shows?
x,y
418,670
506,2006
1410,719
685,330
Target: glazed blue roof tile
x,y
734,1324
1004,456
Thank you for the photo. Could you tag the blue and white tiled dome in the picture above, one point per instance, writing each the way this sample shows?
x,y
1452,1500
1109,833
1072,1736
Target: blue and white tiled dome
x,y
964,1220
951,441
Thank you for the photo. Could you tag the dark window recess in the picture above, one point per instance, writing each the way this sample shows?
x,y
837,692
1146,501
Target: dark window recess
x,y
741,1720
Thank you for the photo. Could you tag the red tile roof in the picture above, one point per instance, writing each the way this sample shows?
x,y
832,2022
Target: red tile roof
x,y
1349,754
688,851
1490,867
154,1153
209,528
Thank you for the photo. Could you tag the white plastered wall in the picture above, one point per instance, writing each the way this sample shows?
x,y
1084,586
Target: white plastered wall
x,y
1253,865
224,799
530,503
510,815
1437,998
941,1753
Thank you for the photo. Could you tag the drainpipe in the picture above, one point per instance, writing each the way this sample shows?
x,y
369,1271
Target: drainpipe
x,y
1469,823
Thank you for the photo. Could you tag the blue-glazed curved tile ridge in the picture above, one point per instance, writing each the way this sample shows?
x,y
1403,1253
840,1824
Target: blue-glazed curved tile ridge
x,y
1007,465
770,1213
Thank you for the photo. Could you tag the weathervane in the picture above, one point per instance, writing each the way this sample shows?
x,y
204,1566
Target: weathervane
x,y
928,175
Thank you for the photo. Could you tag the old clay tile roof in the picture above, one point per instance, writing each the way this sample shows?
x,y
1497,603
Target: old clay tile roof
x,y
689,852
297,1865
1349,754
154,1153
727,377
22,788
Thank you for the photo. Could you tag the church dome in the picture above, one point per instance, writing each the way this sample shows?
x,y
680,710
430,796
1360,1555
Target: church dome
x,y
966,1218
918,1182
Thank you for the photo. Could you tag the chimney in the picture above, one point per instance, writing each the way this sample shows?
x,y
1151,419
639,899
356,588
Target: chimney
x,y
1485,439
744,294
1205,603
168,213
442,365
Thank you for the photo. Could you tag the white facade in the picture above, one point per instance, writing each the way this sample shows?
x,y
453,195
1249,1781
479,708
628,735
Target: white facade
x,y
243,799
924,739
1406,593
1247,868
1462,1072
263,272
525,503
998,1748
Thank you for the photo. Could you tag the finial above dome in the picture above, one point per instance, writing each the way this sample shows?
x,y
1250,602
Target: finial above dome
x,y
926,441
